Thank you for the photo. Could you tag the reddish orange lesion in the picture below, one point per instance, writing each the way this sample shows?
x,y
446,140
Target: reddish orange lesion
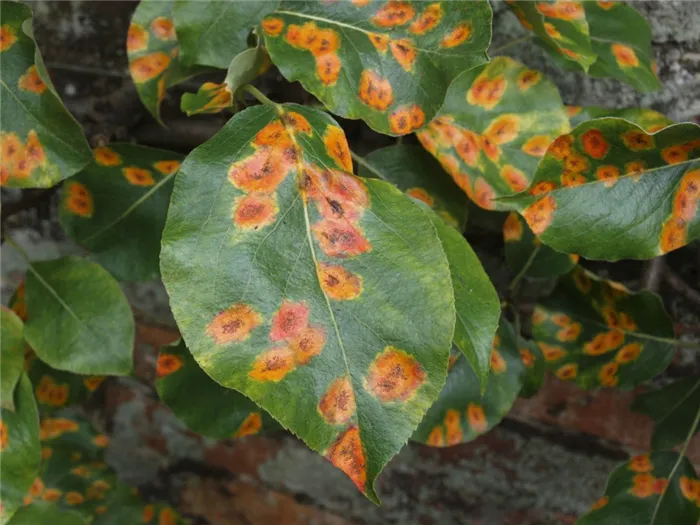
x,y
569,333
136,38
484,194
307,344
602,502
560,148
436,438
289,321
338,195
379,41
458,36
406,119
674,234
637,140
528,79
49,392
516,179
608,374
8,37
567,372
490,149
297,122
498,364
138,176
466,144
79,199
163,28
273,364
34,151
273,26
54,427
512,228
4,436
527,357
338,283
624,55
628,353
454,427
422,195
348,454
145,68
375,91
477,418
337,147
687,196
404,52
322,44
551,353
487,92
594,144
264,170
503,129
643,485
394,375
107,157
540,214
328,68
167,167
337,406
428,20
251,425
92,383
567,10
339,238
537,145
608,174
168,364
690,488
543,187
570,179
393,13
31,81
234,324
674,154
255,210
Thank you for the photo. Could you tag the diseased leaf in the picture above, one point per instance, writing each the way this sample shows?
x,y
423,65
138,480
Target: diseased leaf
x,y
561,28
79,319
323,297
19,449
215,411
638,193
642,491
153,50
214,98
12,358
476,301
41,142
116,207
493,129
418,174
535,367
598,333
672,408
521,246
461,413
44,512
212,33
56,389
387,63
649,120
621,38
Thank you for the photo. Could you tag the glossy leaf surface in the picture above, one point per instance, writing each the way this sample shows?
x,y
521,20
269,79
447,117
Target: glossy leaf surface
x,y
608,190
523,248
215,411
561,28
673,409
79,319
12,358
116,207
643,490
323,297
494,128
598,333
621,38
154,52
19,449
212,33
649,120
476,300
56,389
387,63
41,142
461,413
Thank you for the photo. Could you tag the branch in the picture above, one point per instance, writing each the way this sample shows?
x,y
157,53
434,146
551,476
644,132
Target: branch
x,y
680,286
653,274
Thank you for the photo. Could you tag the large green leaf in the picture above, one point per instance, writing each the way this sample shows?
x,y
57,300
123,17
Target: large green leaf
x,y
621,38
561,28
476,301
418,174
41,142
116,207
523,249
649,120
12,355
154,53
43,512
56,389
212,33
657,489
608,190
672,408
79,319
19,449
388,63
462,413
493,129
598,333
215,411
323,297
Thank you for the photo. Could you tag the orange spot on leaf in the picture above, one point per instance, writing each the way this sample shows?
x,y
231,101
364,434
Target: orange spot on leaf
x,y
297,122
404,52
454,427
307,344
337,405
136,38
31,81
628,353
486,92
512,228
168,364
105,156
477,418
148,67
551,353
567,372
393,13
167,167
484,194
458,36
537,145
637,140
273,26
79,200
289,321
340,238
428,20
503,129
498,364
138,176
347,454
674,234
375,91
436,438
337,147
594,144
163,28
255,210
540,214
7,37
394,375
273,364
379,41
674,154
328,68
234,324
625,56
264,170
608,174
338,283
251,425
528,78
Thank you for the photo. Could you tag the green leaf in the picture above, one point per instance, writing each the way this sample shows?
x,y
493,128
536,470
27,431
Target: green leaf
x,y
493,129
12,358
41,142
212,33
522,248
388,63
598,333
649,120
116,207
154,53
56,389
561,28
214,98
476,301
535,367
608,190
656,489
621,38
215,411
79,319
43,512
461,413
672,408
304,289
418,174
19,449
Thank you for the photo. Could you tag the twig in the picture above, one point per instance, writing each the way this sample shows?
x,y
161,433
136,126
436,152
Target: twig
x,y
525,268
653,274
257,94
681,286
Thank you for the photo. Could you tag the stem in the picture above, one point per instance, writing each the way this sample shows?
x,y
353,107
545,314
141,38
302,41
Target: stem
x,y
693,345
525,268
257,94
87,70
17,247
399,140
513,42
362,162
